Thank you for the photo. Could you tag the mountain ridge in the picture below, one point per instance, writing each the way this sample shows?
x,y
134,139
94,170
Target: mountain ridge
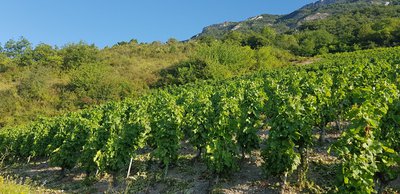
x,y
314,11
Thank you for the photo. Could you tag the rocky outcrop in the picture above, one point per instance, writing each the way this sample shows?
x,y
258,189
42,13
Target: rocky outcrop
x,y
317,16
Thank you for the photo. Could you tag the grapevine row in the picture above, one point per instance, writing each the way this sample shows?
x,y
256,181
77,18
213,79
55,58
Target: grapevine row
x,y
221,119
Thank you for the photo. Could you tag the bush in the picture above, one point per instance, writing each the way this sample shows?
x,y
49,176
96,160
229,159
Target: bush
x,y
35,85
270,57
183,72
96,83
215,60
4,63
225,60
8,106
76,55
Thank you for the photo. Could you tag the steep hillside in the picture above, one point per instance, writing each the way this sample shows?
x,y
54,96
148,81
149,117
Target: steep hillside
x,y
282,23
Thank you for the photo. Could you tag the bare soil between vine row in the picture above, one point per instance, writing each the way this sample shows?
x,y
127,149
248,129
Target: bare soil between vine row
x,y
187,176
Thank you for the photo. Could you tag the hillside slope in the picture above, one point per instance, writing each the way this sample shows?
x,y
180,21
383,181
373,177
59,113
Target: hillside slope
x,y
282,23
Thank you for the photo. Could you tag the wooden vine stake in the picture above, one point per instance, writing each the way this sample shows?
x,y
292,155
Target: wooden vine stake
x,y
129,169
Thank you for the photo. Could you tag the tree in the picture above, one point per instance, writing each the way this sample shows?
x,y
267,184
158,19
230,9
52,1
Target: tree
x,y
20,51
287,41
207,39
74,55
14,48
172,41
233,37
255,41
314,42
46,55
269,33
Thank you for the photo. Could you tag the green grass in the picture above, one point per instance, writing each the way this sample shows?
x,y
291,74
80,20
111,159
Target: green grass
x,y
8,186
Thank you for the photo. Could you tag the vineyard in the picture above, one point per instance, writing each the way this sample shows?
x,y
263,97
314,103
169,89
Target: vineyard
x,y
356,92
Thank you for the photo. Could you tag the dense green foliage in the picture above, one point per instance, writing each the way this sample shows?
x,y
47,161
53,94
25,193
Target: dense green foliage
x,y
221,60
47,80
223,119
318,28
230,89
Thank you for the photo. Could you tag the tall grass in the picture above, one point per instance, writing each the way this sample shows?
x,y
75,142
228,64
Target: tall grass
x,y
9,186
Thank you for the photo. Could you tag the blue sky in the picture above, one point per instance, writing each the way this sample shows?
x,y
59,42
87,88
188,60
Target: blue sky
x,y
106,22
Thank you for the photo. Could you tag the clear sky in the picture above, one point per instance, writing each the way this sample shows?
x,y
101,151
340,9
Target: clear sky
x,y
106,22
